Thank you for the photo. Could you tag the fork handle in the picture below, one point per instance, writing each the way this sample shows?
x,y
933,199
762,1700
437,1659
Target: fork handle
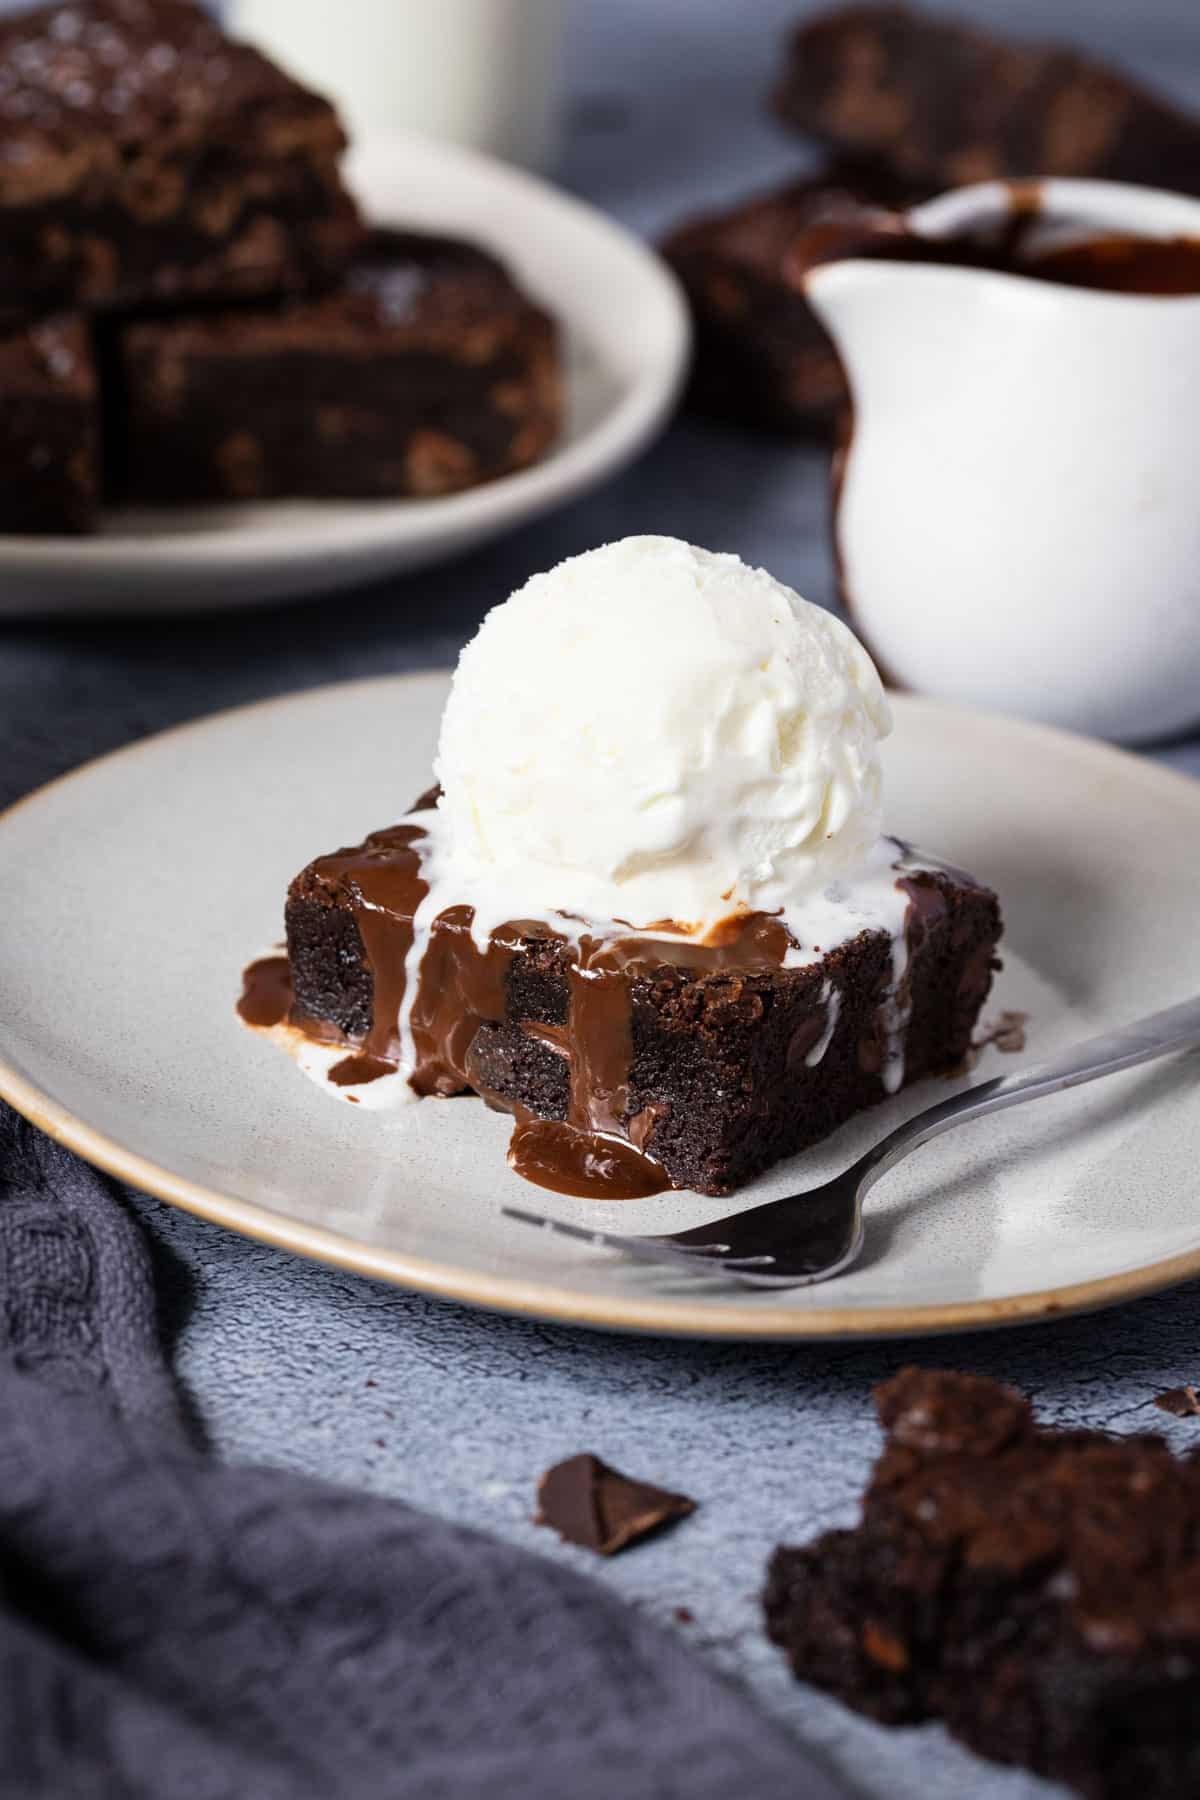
x,y
1178,1028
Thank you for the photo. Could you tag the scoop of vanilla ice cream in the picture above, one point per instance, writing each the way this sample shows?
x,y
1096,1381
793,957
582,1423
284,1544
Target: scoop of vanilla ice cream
x,y
651,731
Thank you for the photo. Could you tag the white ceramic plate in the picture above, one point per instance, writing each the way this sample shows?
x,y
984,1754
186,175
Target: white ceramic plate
x,y
627,340
133,892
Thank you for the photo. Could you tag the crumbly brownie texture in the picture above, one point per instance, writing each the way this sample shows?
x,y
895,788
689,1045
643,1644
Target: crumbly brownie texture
x,y
1037,1589
716,1083
429,371
943,103
761,356
144,154
49,428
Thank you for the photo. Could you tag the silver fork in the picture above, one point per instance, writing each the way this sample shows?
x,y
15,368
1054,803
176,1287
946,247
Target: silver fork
x,y
811,1237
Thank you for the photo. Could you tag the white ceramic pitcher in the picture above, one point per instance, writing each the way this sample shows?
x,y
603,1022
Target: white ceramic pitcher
x,y
1019,519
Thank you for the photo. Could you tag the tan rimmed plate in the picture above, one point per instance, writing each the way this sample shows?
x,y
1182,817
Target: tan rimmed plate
x,y
133,892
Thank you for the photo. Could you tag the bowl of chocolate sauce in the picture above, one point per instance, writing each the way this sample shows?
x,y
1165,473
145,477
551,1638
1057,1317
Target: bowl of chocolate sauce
x,y
1016,511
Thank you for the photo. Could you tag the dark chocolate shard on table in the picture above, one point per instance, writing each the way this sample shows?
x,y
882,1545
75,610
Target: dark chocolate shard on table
x,y
940,103
144,154
1037,1589
593,1505
426,372
648,1060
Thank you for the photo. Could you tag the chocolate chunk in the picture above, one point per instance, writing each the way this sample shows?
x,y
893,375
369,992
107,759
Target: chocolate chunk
x,y
1182,1402
590,1504
948,1415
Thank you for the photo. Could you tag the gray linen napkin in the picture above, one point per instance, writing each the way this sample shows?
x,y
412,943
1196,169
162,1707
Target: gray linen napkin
x,y
173,1628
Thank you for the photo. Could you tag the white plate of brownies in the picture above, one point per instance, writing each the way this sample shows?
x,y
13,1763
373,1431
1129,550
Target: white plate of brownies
x,y
135,891
623,335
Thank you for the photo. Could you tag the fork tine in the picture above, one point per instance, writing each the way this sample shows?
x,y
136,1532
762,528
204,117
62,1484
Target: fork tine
x,y
583,1234
647,1249
700,1250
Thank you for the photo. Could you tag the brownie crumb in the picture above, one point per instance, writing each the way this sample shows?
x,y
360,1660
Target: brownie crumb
x,y
590,1504
1007,1033
1181,1402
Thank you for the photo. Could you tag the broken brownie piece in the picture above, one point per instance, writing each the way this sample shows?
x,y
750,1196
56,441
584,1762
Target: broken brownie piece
x,y
591,1504
761,355
49,428
144,154
427,372
1038,1589
944,103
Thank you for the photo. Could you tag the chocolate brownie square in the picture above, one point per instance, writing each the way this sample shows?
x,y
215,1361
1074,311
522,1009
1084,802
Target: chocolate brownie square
x,y
428,371
49,428
730,1061
145,154
943,103
1037,1589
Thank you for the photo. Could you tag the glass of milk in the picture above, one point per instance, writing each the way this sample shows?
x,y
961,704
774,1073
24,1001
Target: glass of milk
x,y
482,72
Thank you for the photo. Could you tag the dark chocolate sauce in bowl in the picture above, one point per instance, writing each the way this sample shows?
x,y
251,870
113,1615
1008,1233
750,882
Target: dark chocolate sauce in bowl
x,y
1110,262
1121,265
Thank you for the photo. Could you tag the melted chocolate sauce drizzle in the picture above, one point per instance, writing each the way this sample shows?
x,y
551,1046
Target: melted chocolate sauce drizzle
x,y
602,1149
266,997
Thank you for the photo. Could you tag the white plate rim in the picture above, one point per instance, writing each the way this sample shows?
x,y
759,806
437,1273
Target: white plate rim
x,y
288,545
546,1301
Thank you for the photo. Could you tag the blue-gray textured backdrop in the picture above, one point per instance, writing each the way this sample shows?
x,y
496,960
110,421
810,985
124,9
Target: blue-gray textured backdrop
x,y
457,1411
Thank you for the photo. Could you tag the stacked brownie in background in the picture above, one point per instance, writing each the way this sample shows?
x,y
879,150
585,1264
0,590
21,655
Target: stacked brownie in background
x,y
427,371
179,253
906,106
49,427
